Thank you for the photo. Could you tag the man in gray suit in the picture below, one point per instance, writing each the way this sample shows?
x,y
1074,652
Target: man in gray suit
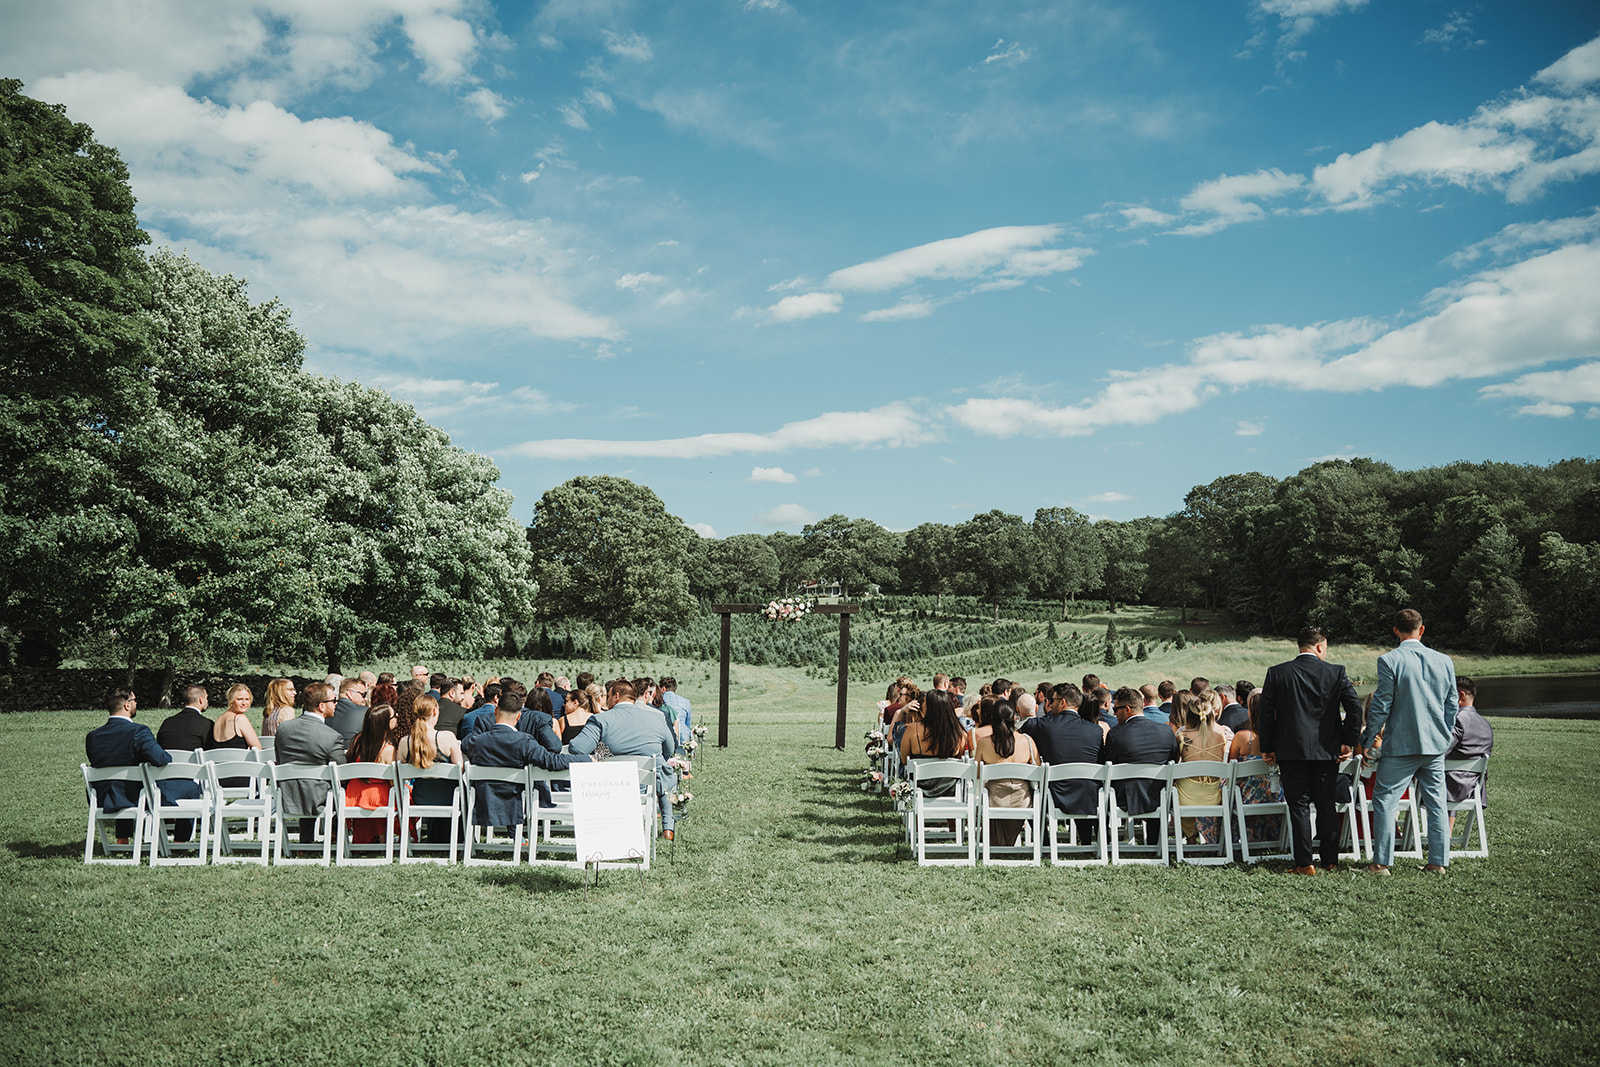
x,y
630,729
1415,706
309,739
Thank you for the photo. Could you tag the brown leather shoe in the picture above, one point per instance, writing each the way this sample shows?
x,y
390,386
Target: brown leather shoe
x,y
1333,868
667,834
1375,868
1303,870
1434,868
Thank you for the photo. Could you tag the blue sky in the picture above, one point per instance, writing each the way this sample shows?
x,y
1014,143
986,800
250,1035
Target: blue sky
x,y
779,259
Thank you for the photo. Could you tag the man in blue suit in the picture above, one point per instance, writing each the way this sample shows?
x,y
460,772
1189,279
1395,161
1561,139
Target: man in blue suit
x,y
506,745
1064,736
1137,738
630,729
1415,706
121,742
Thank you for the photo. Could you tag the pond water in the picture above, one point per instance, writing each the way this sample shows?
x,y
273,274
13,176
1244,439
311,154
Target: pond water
x,y
1540,696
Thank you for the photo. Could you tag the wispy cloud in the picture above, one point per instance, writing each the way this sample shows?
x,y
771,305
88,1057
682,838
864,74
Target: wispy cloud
x,y
441,398
1233,198
1295,21
704,529
891,426
771,474
1519,236
1004,251
634,282
489,105
1553,392
787,515
627,46
805,306
1454,32
1010,55
1111,496
1250,429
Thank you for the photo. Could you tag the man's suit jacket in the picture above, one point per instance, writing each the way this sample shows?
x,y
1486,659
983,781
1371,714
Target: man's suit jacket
x,y
306,739
1471,738
1235,717
500,803
1067,737
347,719
184,730
1139,740
539,726
630,729
121,742
1416,700
558,700
1298,717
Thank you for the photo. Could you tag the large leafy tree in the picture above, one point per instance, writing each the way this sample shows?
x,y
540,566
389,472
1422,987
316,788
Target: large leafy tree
x,y
854,552
1071,557
73,348
998,555
931,560
607,550
1126,567
735,569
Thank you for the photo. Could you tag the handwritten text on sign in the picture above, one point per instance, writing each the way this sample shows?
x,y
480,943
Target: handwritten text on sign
x,y
607,817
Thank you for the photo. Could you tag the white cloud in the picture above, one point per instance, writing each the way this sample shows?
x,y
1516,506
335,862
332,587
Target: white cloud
x,y
1139,215
633,282
805,306
1576,69
1011,55
1232,198
1108,497
704,529
1539,310
1250,429
489,105
911,308
787,515
632,46
1297,18
595,98
445,45
573,116
1456,30
1466,155
528,176
894,425
1003,251
1554,392
771,474
439,398
765,5
1542,233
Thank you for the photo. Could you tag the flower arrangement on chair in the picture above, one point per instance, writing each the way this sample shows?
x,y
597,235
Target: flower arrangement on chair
x,y
871,781
901,791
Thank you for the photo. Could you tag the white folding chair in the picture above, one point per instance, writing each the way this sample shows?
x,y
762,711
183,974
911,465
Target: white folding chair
x,y
351,853
196,810
1059,823
102,821
960,808
1408,825
323,780
1025,854
1283,847
1203,852
1352,836
251,805
480,853
1119,819
1459,839
408,777
649,799
543,835
269,747
185,755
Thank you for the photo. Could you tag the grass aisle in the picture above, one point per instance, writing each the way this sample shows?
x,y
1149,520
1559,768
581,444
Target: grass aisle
x,y
792,927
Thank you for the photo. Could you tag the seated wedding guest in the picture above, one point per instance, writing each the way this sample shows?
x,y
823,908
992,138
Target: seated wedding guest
x,y
1064,736
368,679
677,709
910,710
1102,700
1005,745
558,697
308,739
453,704
580,705
1242,690
385,678
1137,738
630,730
1165,691
984,717
958,687
351,711
1233,715
1026,706
1471,737
1199,738
503,745
189,728
1255,789
482,715
121,742
1151,698
233,729
383,693
537,721
1041,696
372,745
936,734
280,706
424,746
1091,682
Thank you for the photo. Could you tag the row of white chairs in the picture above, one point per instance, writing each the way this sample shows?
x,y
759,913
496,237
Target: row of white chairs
x,y
962,822
247,823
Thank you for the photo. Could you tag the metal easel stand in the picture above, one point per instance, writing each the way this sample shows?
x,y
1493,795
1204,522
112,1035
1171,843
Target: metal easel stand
x,y
598,862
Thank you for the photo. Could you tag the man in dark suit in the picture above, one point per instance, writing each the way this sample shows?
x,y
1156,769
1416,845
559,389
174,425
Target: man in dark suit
x,y
1302,731
453,705
309,739
190,728
121,742
1234,716
1137,738
504,745
350,711
1064,736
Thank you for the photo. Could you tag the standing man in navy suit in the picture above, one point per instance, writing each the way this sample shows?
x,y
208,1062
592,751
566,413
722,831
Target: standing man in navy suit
x,y
121,742
1302,731
1415,705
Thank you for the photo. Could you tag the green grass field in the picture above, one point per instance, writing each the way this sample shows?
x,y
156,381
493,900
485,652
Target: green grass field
x,y
791,926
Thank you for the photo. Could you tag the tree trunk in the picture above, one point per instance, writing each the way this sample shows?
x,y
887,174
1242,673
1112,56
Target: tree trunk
x,y
997,610
335,661
164,698
1063,607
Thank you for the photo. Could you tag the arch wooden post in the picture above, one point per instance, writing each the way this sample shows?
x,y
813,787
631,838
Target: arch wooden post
x,y
728,611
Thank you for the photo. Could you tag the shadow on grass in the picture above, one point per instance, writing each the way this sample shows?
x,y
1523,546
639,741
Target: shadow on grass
x,y
538,879
38,850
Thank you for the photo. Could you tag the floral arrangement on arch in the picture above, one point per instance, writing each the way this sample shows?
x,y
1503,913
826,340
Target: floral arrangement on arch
x,y
788,609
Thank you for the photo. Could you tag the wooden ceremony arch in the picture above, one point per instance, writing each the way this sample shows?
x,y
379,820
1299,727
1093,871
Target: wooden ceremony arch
x,y
728,611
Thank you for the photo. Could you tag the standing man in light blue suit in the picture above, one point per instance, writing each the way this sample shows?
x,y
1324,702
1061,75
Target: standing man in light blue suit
x,y
1415,706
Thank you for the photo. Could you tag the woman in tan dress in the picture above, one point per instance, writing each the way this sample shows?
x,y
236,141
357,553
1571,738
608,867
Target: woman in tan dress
x,y
1003,744
1194,720
280,706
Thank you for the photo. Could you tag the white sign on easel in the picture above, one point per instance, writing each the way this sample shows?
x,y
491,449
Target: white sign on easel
x,y
606,815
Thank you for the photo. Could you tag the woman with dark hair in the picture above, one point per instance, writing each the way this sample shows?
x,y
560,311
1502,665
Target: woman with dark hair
x,y
1004,744
580,704
371,745
1255,788
938,734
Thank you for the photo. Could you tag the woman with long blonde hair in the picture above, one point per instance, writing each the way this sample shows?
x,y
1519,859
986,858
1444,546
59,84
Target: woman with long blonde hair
x,y
280,706
1194,720
424,746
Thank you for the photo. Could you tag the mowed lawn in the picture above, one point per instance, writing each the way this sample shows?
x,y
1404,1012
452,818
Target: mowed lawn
x,y
792,926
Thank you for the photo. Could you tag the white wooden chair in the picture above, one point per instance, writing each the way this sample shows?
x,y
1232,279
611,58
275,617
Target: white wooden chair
x,y
1283,847
102,821
350,853
1462,836
1408,824
159,810
324,779
489,850
1215,852
961,809
407,777
1119,820
1027,853
1061,824
1353,843
252,806
551,830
